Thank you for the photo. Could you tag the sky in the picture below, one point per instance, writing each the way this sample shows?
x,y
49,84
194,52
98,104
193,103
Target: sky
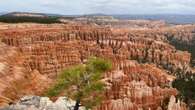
x,y
75,7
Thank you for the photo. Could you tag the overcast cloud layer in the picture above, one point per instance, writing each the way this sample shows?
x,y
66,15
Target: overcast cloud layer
x,y
70,7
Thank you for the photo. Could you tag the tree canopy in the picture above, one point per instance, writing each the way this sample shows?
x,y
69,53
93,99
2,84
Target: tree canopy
x,y
185,84
83,82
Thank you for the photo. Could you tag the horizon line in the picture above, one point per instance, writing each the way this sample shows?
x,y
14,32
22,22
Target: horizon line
x,y
106,14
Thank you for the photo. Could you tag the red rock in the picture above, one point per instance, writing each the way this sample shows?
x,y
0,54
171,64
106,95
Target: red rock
x,y
35,54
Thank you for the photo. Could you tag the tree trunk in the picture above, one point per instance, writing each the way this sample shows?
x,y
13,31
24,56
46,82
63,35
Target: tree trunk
x,y
77,104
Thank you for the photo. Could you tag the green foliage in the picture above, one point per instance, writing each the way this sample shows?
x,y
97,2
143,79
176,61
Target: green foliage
x,y
186,86
98,65
83,82
23,19
185,47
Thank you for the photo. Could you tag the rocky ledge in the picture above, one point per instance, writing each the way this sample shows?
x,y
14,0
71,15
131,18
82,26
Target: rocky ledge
x,y
42,103
63,103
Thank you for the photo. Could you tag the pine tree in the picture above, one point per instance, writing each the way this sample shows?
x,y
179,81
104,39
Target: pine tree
x,y
83,82
185,84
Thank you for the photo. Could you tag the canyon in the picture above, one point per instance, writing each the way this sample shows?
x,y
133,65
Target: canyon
x,y
145,55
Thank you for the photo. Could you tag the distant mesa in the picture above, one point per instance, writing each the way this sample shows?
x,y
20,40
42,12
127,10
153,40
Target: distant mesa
x,y
25,14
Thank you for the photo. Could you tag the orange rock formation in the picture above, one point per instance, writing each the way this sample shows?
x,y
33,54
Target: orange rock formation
x,y
31,57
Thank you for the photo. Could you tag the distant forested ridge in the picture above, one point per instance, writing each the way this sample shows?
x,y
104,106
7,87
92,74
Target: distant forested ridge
x,y
22,19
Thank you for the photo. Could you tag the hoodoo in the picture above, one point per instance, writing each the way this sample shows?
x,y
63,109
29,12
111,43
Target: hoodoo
x,y
144,54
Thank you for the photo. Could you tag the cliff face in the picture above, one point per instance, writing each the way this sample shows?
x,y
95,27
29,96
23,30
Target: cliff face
x,y
17,80
144,62
137,87
182,37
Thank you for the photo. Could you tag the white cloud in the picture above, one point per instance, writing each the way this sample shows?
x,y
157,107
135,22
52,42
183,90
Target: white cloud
x,y
101,6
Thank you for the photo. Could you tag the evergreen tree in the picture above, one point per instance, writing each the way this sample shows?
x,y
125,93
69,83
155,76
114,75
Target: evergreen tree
x,y
83,82
185,84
